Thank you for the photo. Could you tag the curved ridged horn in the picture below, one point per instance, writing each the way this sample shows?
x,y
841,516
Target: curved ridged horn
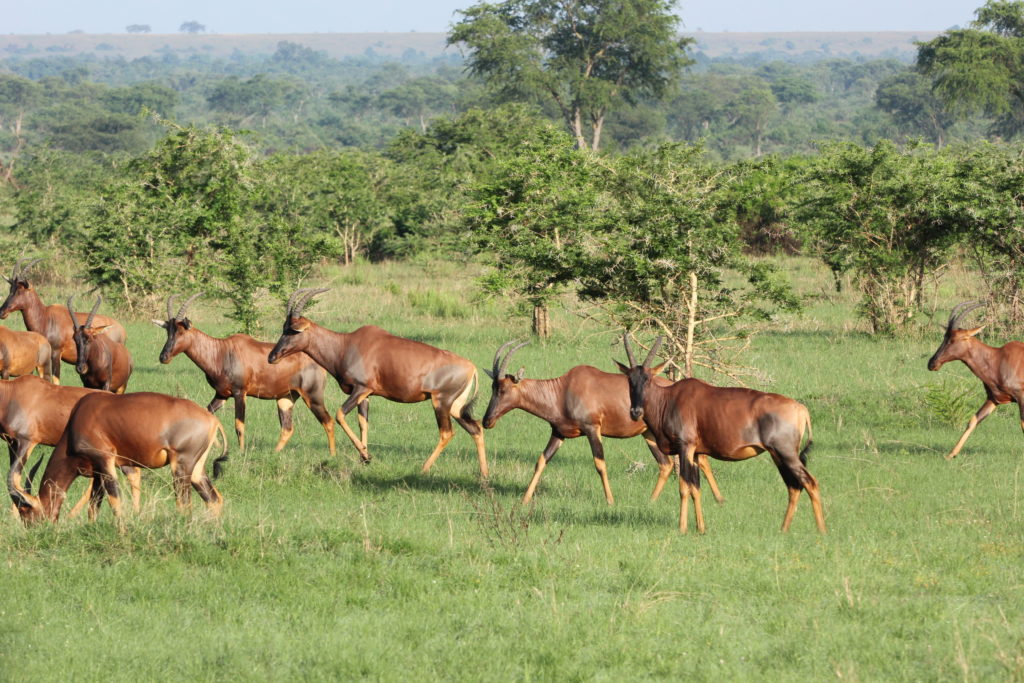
x,y
293,298
301,304
497,358
654,350
960,310
92,313
71,312
184,306
499,368
20,268
170,306
629,349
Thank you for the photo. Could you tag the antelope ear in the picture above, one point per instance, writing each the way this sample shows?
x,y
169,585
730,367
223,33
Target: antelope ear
x,y
622,368
489,373
100,330
656,370
519,375
976,330
159,323
300,325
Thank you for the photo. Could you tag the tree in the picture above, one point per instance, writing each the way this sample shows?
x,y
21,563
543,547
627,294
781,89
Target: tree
x,y
192,27
909,99
138,28
586,57
980,69
885,214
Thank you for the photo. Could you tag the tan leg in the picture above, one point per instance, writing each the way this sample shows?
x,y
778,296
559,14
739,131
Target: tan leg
x,y
82,502
284,415
985,410
684,504
705,467
691,466
364,430
794,496
664,471
602,470
442,441
481,454
109,478
542,462
134,476
202,484
363,454
819,515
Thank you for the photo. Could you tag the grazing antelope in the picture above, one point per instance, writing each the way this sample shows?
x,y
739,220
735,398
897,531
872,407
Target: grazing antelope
x,y
583,402
21,353
141,429
33,411
101,362
372,362
1001,369
693,417
237,367
51,321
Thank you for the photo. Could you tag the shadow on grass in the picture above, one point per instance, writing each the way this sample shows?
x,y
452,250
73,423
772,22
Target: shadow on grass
x,y
362,478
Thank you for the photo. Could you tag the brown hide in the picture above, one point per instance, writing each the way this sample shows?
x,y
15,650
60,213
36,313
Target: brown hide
x,y
22,353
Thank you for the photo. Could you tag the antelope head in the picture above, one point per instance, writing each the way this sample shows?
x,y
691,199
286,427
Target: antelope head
x,y
177,327
84,334
17,298
292,338
639,376
957,341
504,388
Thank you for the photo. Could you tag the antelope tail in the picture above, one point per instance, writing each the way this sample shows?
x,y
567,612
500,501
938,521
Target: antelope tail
x,y
810,437
218,463
467,409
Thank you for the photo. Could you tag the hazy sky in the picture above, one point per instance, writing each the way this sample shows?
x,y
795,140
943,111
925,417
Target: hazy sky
x,y
343,16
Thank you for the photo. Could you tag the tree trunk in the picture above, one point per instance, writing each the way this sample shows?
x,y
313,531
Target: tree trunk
x,y
690,324
541,323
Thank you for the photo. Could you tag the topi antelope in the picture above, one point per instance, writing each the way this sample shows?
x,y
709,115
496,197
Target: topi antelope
x,y
33,411
142,429
1001,369
237,367
51,321
583,402
692,417
21,353
372,362
101,362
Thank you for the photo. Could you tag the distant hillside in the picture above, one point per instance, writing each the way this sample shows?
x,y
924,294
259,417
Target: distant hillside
x,y
899,44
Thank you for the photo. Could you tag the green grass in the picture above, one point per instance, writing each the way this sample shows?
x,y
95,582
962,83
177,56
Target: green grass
x,y
325,569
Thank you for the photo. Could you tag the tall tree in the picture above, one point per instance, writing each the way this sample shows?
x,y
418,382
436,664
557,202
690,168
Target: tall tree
x,y
587,57
980,69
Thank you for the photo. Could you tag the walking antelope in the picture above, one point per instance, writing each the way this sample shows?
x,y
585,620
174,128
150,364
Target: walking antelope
x,y
237,367
692,417
372,362
583,402
21,353
101,362
51,321
1001,369
33,411
141,429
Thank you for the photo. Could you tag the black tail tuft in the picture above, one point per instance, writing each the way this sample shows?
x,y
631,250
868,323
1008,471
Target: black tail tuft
x,y
805,451
218,466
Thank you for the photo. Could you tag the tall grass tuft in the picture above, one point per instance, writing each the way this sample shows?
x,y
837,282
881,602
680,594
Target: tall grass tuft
x,y
950,401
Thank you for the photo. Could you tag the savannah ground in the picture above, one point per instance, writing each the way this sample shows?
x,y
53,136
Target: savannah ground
x,y
325,569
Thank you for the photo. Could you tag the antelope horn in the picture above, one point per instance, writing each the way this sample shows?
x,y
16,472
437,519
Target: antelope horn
x,y
293,298
92,313
629,349
184,306
960,311
304,301
21,497
71,312
170,306
508,357
497,357
29,265
654,349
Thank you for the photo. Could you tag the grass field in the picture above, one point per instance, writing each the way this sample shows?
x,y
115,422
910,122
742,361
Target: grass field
x,y
324,569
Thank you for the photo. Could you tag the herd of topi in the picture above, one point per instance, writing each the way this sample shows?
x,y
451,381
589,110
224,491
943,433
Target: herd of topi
x,y
98,428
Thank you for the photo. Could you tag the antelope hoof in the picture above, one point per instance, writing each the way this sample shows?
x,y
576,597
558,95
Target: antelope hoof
x,y
950,456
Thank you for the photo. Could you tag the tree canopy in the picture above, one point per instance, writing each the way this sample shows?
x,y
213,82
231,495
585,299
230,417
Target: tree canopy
x,y
585,57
